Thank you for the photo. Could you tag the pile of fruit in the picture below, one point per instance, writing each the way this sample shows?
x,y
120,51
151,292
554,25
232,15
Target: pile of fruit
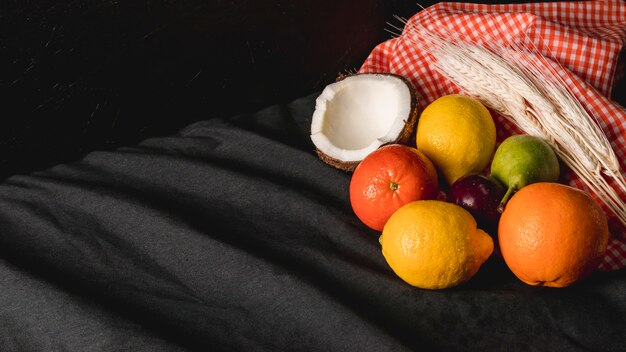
x,y
452,201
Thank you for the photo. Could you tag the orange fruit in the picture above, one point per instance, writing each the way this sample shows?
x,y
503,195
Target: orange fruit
x,y
552,235
388,178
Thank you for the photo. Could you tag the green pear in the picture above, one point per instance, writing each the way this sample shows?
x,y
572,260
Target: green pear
x,y
521,160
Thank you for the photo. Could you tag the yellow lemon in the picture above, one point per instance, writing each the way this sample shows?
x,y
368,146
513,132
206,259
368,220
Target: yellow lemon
x,y
433,244
457,134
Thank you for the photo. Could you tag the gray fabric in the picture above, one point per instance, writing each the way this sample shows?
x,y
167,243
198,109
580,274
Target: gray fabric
x,y
233,235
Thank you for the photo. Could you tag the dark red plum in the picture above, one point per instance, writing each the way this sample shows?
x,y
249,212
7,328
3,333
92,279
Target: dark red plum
x,y
481,196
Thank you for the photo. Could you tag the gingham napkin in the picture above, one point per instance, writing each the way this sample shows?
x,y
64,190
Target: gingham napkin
x,y
585,38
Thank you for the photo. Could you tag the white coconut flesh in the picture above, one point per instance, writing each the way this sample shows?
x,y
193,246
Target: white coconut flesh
x,y
355,116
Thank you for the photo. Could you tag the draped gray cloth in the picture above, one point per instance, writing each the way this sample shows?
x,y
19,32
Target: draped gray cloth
x,y
232,235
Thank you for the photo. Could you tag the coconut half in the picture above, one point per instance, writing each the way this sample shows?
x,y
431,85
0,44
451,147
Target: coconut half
x,y
359,113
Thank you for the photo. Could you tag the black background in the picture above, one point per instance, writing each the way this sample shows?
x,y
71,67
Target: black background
x,y
83,75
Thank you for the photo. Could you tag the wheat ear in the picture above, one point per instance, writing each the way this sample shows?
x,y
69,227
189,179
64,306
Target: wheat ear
x,y
525,88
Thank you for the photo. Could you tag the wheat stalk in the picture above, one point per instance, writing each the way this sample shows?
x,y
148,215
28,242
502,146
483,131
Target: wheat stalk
x,y
525,88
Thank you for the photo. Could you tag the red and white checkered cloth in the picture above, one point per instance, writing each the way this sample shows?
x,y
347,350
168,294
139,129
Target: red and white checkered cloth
x,y
585,37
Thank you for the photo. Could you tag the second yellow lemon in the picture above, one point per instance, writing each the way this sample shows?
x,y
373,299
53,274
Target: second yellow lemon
x,y
432,244
458,134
